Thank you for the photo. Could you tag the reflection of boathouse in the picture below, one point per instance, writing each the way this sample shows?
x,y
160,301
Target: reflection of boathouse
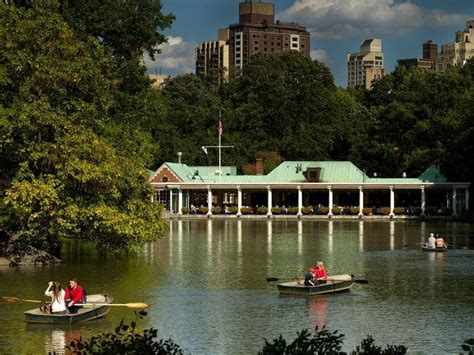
x,y
306,187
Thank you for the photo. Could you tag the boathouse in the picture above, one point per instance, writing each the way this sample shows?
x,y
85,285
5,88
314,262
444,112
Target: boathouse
x,y
303,188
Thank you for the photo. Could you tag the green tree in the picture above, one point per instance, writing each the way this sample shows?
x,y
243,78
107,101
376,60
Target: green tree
x,y
64,174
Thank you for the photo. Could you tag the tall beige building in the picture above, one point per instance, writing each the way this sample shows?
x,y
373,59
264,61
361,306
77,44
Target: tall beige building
x,y
366,65
212,59
456,54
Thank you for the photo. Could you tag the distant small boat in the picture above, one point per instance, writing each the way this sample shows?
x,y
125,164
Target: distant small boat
x,y
83,314
335,283
425,247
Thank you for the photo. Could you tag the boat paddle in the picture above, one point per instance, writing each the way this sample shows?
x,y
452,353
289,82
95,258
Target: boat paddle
x,y
129,305
17,299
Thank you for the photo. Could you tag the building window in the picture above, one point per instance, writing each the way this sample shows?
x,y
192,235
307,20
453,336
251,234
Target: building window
x,y
237,43
255,49
294,45
164,179
255,42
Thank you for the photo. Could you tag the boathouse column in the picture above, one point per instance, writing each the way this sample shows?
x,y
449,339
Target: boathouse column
x,y
171,200
392,201
180,201
455,212
269,200
361,201
467,200
239,200
330,203
423,200
300,200
209,200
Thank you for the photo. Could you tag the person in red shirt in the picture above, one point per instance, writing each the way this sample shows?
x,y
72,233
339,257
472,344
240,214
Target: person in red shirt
x,y
74,294
321,275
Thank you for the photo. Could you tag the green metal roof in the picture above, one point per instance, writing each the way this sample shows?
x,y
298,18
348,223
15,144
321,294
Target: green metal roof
x,y
292,172
432,174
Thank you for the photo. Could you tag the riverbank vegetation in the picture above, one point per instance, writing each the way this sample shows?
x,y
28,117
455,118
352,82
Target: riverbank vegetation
x,y
74,143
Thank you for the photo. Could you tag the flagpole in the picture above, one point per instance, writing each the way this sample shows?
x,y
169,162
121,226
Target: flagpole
x,y
220,145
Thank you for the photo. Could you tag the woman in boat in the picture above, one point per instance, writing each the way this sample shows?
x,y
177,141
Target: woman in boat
x,y
321,273
56,292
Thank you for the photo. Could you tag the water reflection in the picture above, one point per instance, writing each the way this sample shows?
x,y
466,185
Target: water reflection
x,y
239,237
300,237
392,235
209,242
361,236
269,237
55,340
330,237
180,242
318,308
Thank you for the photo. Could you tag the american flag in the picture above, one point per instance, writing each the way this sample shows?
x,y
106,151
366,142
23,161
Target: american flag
x,y
221,128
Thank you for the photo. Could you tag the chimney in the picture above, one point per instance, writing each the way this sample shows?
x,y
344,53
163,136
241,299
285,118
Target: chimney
x,y
259,166
179,154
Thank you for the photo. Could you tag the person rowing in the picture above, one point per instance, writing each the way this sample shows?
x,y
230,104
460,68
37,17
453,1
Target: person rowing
x,y
321,273
440,243
74,294
431,241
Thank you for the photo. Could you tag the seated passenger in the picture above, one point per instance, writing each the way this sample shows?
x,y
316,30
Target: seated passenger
x,y
431,241
55,291
321,273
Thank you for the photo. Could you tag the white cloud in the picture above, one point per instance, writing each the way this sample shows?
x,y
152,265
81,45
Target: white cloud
x,y
176,57
336,19
321,56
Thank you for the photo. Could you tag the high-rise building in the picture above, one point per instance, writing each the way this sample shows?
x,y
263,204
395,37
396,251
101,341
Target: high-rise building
x,y
258,32
458,52
430,53
365,66
212,60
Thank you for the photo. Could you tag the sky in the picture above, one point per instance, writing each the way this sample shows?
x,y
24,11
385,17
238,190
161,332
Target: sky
x,y
336,26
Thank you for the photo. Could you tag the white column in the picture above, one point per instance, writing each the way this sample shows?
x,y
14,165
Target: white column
x,y
423,200
209,200
392,201
269,200
180,201
171,200
300,200
239,201
448,201
361,201
330,203
455,212
467,200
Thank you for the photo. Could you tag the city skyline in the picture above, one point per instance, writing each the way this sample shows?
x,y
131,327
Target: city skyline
x,y
337,27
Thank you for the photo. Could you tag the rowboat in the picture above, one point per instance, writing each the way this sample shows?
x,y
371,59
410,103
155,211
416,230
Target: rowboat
x,y
425,247
335,283
95,309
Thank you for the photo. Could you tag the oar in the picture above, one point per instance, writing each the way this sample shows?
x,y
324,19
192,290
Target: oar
x,y
129,305
16,299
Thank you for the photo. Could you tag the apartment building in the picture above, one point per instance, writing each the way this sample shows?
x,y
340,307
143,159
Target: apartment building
x,y
367,65
458,52
212,60
257,32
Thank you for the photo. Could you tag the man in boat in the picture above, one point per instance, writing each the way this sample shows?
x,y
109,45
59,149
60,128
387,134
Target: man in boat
x,y
321,273
431,241
309,277
74,294
440,242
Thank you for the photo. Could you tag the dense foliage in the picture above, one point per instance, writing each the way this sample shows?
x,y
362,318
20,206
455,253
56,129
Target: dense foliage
x,y
72,149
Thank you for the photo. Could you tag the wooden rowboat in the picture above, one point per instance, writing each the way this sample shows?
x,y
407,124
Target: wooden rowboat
x,y
425,247
335,283
83,314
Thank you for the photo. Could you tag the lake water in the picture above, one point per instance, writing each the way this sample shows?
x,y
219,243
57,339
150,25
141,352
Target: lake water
x,y
206,285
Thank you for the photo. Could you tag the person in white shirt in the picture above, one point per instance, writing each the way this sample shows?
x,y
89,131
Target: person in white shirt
x,y
56,292
432,241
